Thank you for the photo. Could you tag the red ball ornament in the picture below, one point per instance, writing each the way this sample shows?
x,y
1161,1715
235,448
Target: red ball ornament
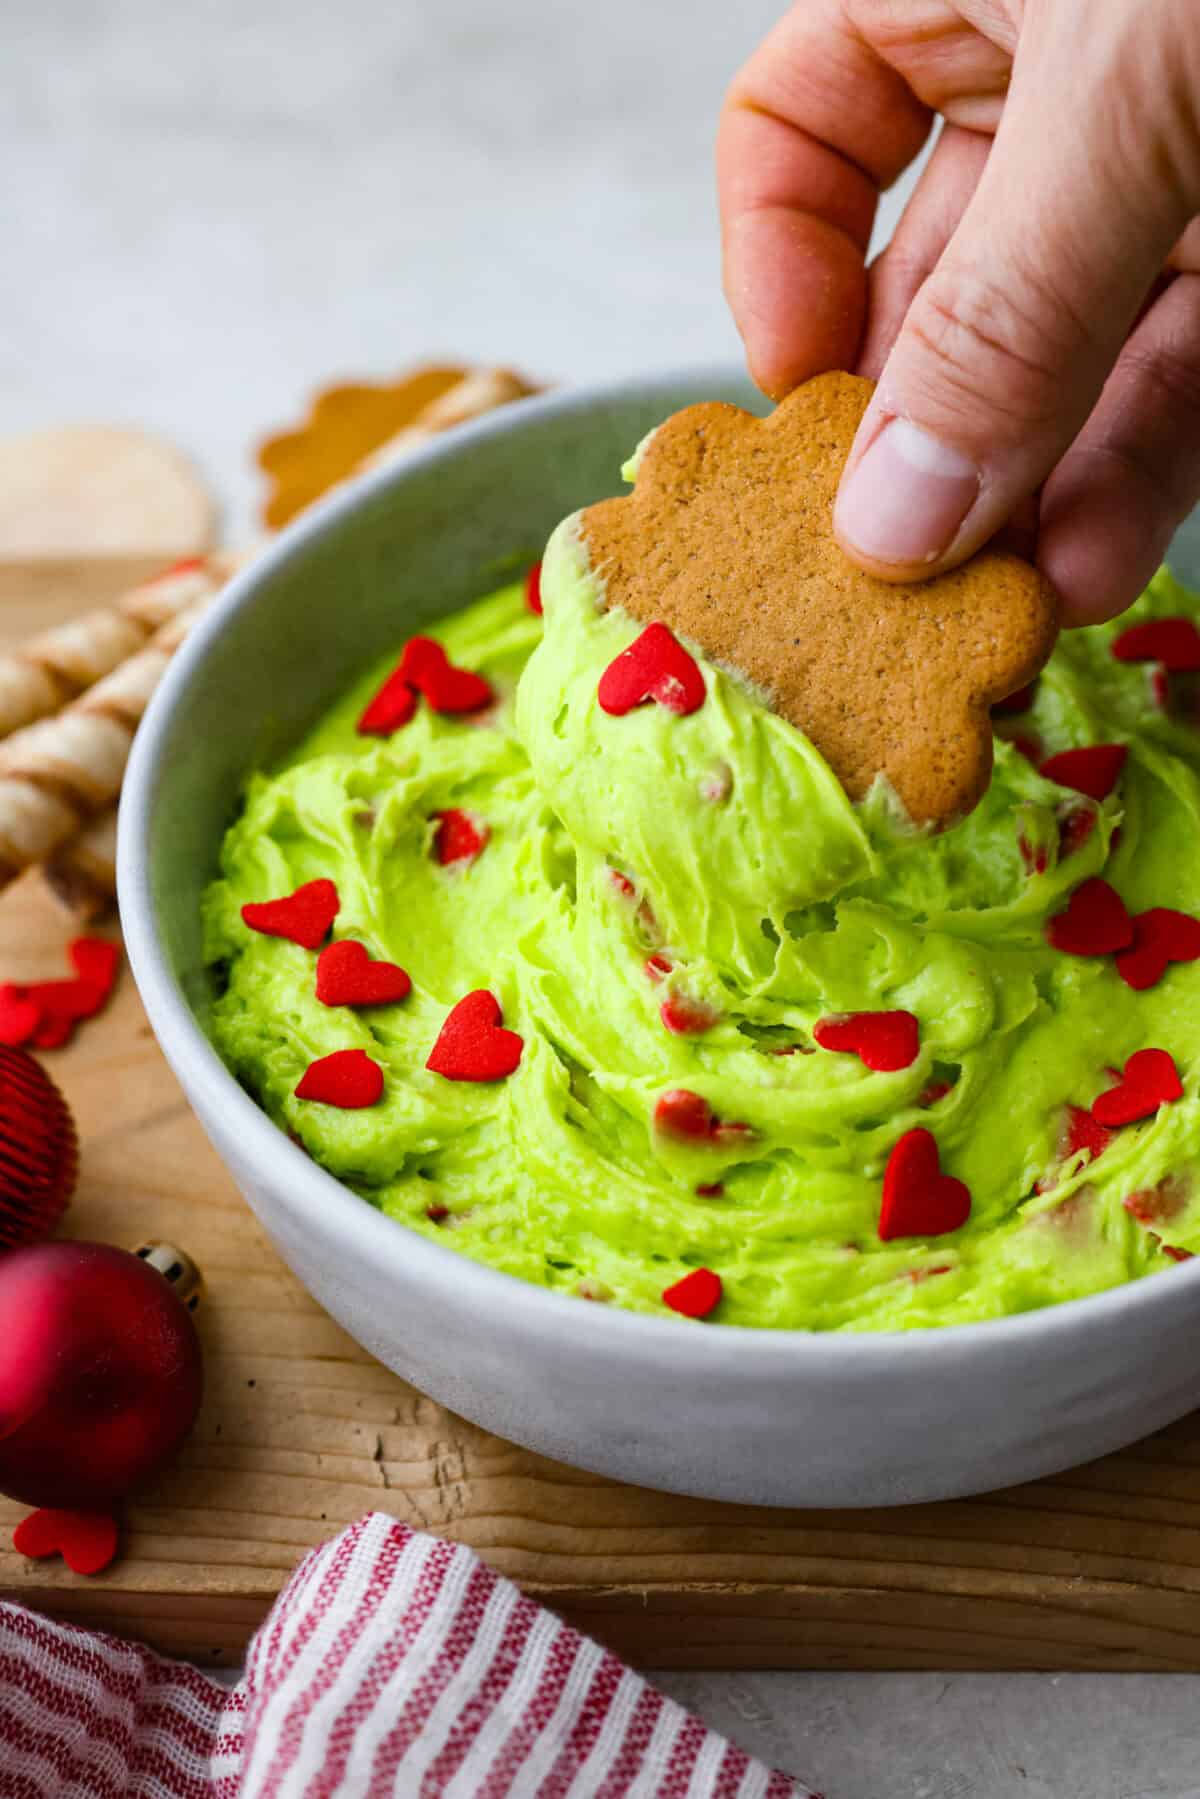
x,y
100,1370
39,1154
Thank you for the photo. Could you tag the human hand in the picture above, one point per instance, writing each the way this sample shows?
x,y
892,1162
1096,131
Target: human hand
x,y
1035,321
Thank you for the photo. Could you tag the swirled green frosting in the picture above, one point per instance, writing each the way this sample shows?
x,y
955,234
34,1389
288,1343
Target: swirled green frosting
x,y
721,843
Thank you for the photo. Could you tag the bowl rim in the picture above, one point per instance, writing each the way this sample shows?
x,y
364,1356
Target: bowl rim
x,y
542,1313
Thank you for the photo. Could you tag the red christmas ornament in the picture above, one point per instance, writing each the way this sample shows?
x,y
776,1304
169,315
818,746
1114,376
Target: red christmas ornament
x,y
100,1370
39,1154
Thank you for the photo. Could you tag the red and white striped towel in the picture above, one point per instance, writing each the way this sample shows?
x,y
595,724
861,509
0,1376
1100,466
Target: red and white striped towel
x,y
392,1663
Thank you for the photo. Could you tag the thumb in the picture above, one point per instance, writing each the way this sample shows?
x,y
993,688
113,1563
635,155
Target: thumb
x,y
1006,346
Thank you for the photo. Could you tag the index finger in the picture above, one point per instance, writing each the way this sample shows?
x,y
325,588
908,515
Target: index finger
x,y
815,125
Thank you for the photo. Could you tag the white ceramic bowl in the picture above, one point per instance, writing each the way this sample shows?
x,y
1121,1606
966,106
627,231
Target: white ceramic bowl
x,y
770,1417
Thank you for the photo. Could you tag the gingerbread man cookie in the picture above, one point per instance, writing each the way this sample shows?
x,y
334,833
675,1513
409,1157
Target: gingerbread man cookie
x,y
727,538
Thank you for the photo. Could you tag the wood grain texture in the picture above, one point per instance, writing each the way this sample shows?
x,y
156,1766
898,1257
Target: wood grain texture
x,y
301,1432
36,595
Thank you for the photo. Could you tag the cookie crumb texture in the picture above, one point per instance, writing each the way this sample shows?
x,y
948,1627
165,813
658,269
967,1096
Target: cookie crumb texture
x,y
654,866
727,537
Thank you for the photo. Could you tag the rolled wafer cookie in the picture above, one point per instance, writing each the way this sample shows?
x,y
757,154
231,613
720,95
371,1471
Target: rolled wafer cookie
x,y
53,668
483,390
60,772
82,875
62,766
43,675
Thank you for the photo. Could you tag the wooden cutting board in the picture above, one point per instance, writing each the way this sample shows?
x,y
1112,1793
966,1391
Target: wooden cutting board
x,y
302,1431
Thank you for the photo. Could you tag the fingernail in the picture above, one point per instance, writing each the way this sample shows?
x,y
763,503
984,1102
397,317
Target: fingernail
x,y
906,497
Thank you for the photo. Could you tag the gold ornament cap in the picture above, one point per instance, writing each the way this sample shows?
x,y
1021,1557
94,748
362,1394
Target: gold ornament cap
x,y
177,1269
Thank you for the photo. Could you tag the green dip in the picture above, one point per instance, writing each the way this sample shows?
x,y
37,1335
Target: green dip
x,y
774,901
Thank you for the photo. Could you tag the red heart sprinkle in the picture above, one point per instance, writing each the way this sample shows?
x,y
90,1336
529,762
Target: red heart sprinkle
x,y
685,1016
303,917
19,1016
710,1189
1175,642
654,667
680,1113
96,961
87,1541
933,1091
1074,829
884,1041
918,1199
1020,701
1079,1131
460,836
646,921
1176,1254
732,1131
393,706
187,565
917,1275
421,659
347,1079
1084,1132
471,1045
1150,1080
1160,937
44,1013
685,1115
52,1033
533,589
67,1000
658,967
696,1295
426,666
346,976
1095,922
1158,1205
1093,770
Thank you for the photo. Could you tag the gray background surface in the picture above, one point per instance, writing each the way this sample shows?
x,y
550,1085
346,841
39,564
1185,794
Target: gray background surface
x,y
212,209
